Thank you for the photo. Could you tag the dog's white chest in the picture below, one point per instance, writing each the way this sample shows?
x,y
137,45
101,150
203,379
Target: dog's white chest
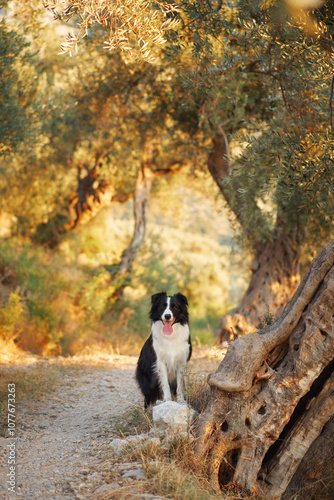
x,y
171,350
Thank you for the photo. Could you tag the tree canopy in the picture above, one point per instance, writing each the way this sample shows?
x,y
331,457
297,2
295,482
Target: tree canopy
x,y
257,74
254,78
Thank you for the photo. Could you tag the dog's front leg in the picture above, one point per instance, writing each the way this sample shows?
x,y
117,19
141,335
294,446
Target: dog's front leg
x,y
179,381
163,380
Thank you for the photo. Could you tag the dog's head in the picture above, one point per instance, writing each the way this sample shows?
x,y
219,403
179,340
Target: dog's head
x,y
169,309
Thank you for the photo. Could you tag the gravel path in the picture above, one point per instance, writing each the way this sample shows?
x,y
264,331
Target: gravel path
x,y
63,438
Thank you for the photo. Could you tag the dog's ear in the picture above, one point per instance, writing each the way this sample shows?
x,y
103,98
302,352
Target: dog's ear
x,y
181,298
157,296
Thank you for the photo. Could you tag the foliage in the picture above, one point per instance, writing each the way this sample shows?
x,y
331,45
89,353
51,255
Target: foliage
x,y
27,315
262,81
12,102
132,25
10,315
267,319
257,73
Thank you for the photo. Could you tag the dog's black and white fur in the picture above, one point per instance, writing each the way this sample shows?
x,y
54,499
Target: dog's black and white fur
x,y
161,362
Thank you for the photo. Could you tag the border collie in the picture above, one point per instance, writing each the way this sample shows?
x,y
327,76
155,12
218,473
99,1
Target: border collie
x,y
160,365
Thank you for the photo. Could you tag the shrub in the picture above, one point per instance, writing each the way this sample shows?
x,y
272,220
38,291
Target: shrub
x,y
10,314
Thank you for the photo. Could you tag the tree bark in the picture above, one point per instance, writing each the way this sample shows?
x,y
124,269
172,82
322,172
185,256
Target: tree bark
x,y
91,195
314,478
274,280
140,208
275,268
141,197
272,397
221,170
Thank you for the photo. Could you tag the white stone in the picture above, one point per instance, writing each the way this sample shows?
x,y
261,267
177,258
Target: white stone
x,y
155,441
137,439
172,416
135,474
117,445
156,433
107,487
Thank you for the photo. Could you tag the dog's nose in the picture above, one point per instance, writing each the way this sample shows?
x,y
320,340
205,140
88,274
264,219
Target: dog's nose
x,y
168,317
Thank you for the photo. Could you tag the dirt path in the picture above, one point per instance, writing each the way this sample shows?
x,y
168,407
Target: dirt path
x,y
62,438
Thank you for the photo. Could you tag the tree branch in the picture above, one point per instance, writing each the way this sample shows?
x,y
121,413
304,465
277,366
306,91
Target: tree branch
x,y
252,69
331,104
229,162
173,166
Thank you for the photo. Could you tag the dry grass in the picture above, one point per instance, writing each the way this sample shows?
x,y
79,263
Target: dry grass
x,y
173,471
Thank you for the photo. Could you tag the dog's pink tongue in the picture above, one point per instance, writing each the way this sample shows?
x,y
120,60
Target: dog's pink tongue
x,y
168,328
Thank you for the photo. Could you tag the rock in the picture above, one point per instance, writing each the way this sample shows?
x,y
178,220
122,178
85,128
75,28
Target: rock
x,y
156,433
173,416
106,488
137,439
155,441
118,445
135,474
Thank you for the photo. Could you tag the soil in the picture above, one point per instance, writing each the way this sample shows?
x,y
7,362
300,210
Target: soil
x,y
62,438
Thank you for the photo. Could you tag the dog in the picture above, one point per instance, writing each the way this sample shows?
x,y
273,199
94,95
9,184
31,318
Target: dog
x,y
160,366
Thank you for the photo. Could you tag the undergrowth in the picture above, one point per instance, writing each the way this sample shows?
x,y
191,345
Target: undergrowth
x,y
267,319
136,421
62,300
172,471
50,305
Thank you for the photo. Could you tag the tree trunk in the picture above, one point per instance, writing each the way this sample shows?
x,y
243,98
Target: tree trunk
x,y
272,397
140,207
275,267
274,280
81,206
314,477
89,198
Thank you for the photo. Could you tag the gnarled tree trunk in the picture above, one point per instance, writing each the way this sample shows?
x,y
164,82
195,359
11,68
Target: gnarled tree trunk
x,y
272,397
274,280
275,266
